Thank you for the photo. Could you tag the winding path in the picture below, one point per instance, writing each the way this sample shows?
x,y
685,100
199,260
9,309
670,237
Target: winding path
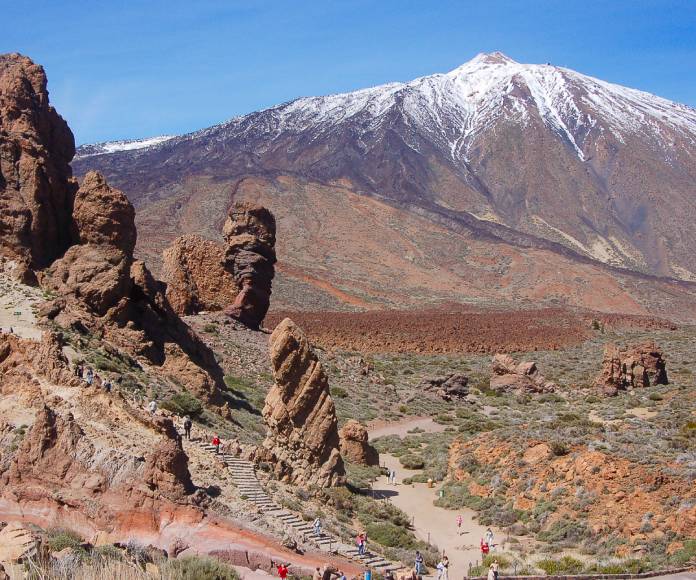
x,y
431,523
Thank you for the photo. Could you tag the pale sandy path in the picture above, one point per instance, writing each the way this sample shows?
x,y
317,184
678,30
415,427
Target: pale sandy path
x,y
432,523
16,308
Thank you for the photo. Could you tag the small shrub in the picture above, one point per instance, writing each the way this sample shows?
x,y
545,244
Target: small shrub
x,y
183,403
200,568
411,461
339,392
565,565
210,328
59,539
390,535
559,448
655,397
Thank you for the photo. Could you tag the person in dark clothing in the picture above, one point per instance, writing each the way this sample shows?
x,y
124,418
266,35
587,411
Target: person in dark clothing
x,y
187,427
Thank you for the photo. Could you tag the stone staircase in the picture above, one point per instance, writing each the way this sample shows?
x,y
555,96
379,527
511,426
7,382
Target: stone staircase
x,y
244,477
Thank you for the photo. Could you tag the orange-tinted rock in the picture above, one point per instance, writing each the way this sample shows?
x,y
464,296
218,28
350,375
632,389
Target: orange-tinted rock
x,y
636,367
250,258
355,446
196,277
302,442
507,375
103,215
166,468
36,147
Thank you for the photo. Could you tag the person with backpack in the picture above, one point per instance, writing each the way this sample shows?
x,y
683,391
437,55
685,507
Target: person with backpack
x,y
317,527
89,376
187,427
216,443
361,541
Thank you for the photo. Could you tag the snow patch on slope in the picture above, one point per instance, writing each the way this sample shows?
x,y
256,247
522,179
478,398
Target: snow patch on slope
x,y
115,146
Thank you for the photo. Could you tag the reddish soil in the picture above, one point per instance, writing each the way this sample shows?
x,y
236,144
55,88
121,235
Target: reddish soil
x,y
455,329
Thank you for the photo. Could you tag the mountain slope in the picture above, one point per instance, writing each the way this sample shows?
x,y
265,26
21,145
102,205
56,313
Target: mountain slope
x,y
444,177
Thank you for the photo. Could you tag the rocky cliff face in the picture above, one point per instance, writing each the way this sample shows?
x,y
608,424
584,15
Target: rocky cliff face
x,y
355,445
36,185
507,375
204,275
638,366
166,468
302,442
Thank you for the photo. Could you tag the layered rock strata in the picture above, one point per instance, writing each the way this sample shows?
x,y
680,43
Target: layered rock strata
x,y
302,442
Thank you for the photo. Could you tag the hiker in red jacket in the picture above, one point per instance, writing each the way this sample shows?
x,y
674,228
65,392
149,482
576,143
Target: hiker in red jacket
x,y
216,444
283,571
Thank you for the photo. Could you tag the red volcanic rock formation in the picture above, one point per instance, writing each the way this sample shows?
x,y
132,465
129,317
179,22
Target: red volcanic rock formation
x,y
639,366
525,376
166,468
203,275
250,232
196,278
302,443
36,185
355,446
45,356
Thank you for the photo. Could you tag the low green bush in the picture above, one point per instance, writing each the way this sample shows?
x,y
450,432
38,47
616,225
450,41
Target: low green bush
x,y
198,567
390,535
183,403
59,538
559,448
564,565
412,461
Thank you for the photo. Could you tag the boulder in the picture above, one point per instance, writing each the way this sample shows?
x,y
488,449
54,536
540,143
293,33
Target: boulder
x,y
507,375
634,367
36,184
355,446
302,442
166,468
18,543
196,277
250,233
453,386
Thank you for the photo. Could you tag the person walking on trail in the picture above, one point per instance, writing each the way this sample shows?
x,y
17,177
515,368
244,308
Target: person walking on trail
x,y
107,386
317,527
216,443
445,569
495,566
187,427
459,524
420,565
485,548
152,407
316,575
361,540
89,376
393,476
368,574
491,573
489,538
283,571
342,575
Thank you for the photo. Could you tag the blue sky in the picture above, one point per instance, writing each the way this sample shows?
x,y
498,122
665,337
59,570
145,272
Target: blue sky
x,y
139,68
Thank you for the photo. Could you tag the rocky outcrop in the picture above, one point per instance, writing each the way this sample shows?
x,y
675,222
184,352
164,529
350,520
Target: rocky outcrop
x,y
96,271
507,375
250,258
203,275
166,468
196,277
36,185
355,445
22,359
302,442
638,366
453,386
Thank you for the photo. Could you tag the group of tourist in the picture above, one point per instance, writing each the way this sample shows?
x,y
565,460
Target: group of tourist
x,y
91,378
